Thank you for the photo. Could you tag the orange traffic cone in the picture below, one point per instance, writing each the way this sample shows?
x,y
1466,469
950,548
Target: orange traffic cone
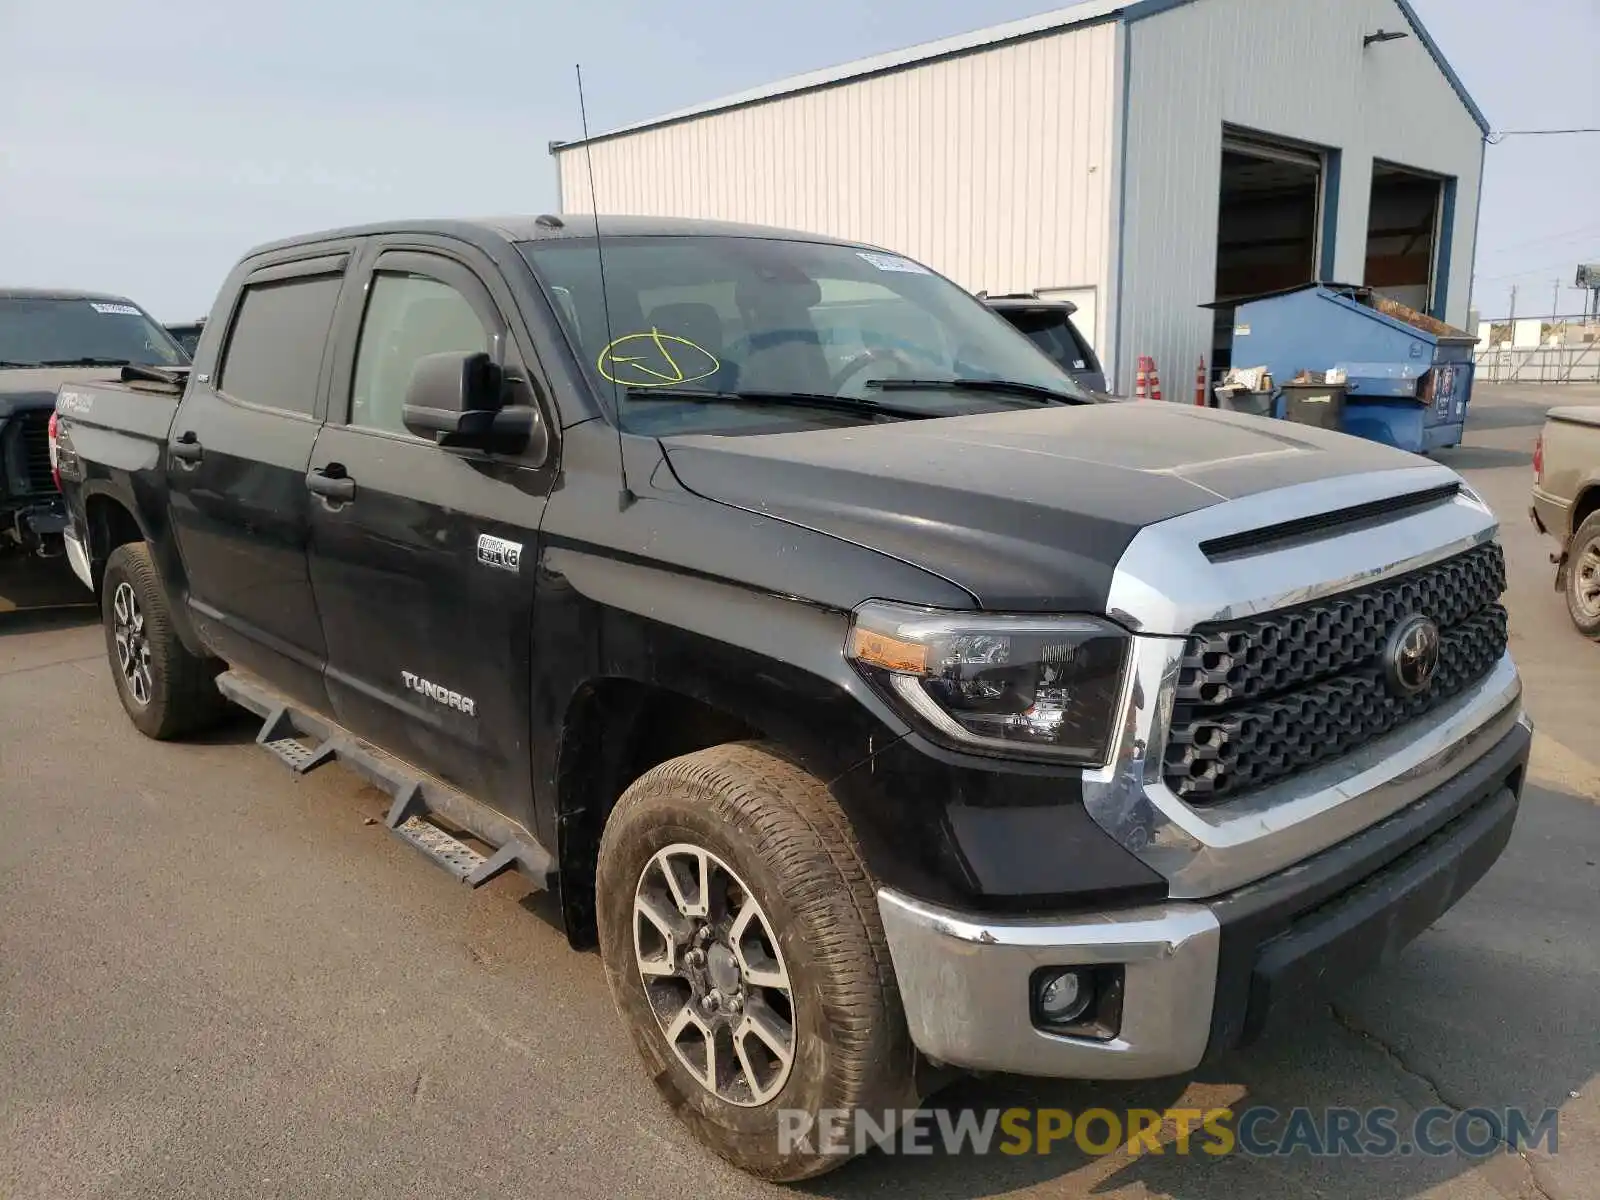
x,y
1200,384
1155,381
1141,379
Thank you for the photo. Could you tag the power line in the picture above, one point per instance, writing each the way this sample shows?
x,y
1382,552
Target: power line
x,y
1549,237
1520,274
1494,139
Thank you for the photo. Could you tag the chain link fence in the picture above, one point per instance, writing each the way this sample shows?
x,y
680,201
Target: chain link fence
x,y
1539,350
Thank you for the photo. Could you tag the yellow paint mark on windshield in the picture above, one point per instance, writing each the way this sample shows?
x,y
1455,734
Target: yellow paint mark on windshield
x,y
655,359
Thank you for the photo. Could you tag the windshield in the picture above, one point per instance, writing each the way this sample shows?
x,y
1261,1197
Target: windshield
x,y
746,315
35,331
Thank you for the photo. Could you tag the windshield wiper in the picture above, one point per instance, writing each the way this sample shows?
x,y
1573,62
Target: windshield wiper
x,y
84,362
1007,387
858,405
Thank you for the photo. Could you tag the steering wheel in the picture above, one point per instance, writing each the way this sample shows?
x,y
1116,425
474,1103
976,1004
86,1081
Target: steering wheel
x,y
765,340
847,372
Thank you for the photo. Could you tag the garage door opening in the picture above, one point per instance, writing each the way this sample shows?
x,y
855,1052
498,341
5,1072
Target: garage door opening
x,y
1403,235
1268,225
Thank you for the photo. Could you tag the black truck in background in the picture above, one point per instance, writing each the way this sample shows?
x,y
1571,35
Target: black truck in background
x,y
871,697
49,338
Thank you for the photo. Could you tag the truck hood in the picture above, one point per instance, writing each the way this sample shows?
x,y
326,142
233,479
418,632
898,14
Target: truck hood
x,y
1028,511
31,388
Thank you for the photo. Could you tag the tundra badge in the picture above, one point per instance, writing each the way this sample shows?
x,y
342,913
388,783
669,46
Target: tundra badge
x,y
444,696
497,552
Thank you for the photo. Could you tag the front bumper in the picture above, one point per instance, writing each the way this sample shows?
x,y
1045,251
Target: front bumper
x,y
1201,977
36,523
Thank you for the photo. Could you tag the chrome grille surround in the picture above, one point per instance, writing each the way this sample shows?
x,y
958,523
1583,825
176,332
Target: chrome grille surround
x,y
1203,851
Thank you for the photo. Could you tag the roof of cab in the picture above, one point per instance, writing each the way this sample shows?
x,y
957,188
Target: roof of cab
x,y
547,228
31,293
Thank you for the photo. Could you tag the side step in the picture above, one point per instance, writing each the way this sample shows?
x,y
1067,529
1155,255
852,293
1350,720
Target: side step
x,y
304,741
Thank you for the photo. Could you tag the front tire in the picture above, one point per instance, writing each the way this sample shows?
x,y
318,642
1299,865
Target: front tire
x,y
166,691
1582,577
742,944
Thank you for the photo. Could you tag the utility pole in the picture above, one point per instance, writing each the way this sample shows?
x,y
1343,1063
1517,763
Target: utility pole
x,y
1513,317
1555,303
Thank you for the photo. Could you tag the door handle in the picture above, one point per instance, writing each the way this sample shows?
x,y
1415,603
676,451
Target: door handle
x,y
187,447
331,483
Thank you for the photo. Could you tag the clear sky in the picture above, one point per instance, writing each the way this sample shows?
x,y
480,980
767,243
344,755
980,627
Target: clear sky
x,y
144,147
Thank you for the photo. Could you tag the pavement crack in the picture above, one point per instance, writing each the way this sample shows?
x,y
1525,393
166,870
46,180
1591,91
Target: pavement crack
x,y
57,662
1434,1089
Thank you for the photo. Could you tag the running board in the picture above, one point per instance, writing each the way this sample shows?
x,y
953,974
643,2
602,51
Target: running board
x,y
304,741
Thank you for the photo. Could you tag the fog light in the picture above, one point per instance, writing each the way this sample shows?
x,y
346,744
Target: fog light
x,y
1065,995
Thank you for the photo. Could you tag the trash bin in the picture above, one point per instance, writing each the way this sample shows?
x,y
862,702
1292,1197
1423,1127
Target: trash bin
x,y
1408,376
1242,400
1319,404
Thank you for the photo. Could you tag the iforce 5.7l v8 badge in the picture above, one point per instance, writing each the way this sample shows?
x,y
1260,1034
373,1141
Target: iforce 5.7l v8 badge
x,y
497,552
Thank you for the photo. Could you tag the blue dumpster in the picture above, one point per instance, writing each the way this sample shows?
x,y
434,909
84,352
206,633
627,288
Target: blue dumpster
x,y
1408,376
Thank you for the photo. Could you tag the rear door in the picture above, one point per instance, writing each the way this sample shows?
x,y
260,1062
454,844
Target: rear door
x,y
236,466
424,576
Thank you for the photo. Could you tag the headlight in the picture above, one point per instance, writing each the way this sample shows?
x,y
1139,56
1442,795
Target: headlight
x,y
1021,686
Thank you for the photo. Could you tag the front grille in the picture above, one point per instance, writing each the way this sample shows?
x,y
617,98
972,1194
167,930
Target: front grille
x,y
35,439
1261,699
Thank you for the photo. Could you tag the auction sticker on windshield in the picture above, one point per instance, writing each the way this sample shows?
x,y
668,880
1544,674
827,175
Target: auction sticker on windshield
x,y
121,310
893,262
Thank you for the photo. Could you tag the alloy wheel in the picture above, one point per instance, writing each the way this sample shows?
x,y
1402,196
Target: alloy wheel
x,y
133,646
714,975
1586,580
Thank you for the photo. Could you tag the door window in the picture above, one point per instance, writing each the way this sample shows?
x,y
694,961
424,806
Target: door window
x,y
274,352
408,317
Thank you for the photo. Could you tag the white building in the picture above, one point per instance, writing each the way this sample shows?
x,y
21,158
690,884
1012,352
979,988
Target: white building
x,y
1142,158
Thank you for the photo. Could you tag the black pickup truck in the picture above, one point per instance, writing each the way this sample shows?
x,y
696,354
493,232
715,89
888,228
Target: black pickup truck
x,y
48,337
873,699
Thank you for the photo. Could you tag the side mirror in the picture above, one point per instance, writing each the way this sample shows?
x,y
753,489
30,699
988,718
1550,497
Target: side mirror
x,y
458,400
449,385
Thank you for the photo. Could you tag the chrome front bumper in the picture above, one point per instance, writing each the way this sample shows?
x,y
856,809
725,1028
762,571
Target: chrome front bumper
x,y
1196,975
964,982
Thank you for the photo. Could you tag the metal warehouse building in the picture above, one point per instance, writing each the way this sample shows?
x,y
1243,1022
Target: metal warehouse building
x,y
1142,159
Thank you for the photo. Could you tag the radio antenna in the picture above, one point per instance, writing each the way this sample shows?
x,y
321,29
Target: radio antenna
x,y
627,497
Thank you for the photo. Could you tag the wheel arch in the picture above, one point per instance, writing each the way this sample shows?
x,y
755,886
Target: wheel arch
x,y
113,518
616,727
1584,505
110,523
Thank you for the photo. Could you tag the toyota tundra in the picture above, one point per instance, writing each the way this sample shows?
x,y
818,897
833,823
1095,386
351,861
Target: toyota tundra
x,y
877,702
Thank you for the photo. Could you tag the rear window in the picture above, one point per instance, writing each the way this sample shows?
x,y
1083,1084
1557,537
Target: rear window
x,y
274,353
1053,332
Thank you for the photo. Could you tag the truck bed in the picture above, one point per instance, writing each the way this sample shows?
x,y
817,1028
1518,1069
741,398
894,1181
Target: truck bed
x,y
110,439
140,408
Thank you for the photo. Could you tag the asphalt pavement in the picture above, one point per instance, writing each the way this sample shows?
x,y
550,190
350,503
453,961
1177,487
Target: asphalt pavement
x,y
217,979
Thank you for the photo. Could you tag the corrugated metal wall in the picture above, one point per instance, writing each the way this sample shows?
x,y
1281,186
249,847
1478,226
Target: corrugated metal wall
x,y
1297,70
994,168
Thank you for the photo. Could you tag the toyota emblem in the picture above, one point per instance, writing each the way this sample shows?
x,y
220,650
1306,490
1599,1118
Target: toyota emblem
x,y
1411,656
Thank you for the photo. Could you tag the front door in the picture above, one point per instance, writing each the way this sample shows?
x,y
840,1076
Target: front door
x,y
236,466
424,575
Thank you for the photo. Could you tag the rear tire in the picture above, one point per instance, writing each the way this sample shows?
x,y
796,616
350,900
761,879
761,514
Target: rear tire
x,y
1582,577
773,837
166,691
